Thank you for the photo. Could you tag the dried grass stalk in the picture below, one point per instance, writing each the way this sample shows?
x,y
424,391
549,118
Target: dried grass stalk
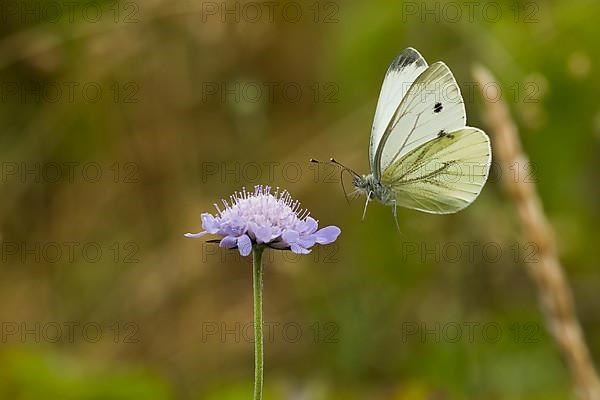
x,y
553,290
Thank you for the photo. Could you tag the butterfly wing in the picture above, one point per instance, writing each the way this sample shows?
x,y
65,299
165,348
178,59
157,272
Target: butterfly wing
x,y
402,72
443,175
432,106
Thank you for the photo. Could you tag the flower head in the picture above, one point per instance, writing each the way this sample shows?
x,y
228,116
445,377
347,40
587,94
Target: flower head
x,y
262,217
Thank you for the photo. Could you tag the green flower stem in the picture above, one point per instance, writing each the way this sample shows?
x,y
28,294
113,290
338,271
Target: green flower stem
x,y
257,268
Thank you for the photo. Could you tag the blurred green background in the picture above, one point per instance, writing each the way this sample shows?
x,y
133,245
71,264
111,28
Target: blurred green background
x,y
122,122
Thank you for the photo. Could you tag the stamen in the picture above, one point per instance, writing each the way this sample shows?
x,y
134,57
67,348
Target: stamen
x,y
218,209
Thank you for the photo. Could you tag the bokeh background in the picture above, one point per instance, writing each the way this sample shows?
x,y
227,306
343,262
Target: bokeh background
x,y
122,122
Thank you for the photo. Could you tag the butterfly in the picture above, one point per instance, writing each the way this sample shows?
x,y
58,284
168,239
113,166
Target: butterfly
x,y
422,154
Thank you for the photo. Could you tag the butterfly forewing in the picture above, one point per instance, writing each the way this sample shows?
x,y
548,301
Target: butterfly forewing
x,y
431,107
443,175
400,75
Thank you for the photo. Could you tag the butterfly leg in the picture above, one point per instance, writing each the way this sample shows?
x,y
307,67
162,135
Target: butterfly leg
x,y
366,204
395,213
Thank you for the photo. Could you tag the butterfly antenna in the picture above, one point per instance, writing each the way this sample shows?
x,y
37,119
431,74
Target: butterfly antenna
x,y
366,204
343,186
343,169
334,162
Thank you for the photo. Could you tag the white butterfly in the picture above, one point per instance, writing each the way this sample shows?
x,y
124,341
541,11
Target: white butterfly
x,y
422,154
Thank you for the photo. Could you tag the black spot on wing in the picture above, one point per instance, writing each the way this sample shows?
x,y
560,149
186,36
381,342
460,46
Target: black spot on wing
x,y
437,107
445,134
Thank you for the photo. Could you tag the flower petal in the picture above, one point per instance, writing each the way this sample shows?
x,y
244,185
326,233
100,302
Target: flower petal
x,y
195,235
327,235
290,236
298,249
263,234
233,227
210,223
307,241
244,245
228,242
310,225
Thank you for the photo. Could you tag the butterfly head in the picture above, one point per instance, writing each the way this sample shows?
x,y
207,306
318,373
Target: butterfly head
x,y
373,188
363,183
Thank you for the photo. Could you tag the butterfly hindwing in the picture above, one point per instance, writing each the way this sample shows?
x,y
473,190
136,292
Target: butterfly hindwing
x,y
402,72
432,105
443,175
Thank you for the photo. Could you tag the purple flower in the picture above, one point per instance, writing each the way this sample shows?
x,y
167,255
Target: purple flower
x,y
264,218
